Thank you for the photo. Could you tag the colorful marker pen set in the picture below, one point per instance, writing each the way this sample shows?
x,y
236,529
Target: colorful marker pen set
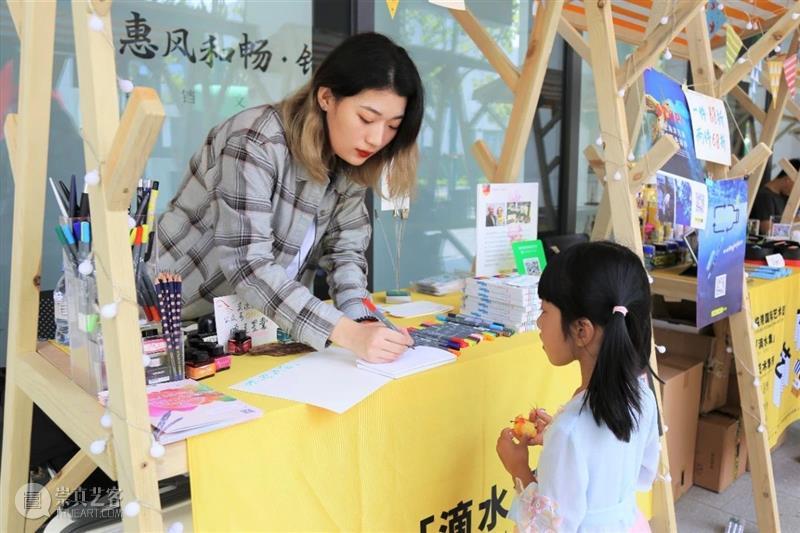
x,y
454,332
142,238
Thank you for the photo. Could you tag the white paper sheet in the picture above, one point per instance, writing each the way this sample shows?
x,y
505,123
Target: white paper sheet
x,y
416,360
506,212
329,379
231,312
414,309
709,127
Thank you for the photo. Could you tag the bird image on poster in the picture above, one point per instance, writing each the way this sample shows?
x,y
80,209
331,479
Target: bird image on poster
x,y
720,268
667,113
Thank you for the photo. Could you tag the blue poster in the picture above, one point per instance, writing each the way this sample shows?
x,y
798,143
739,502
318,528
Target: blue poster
x,y
720,269
667,113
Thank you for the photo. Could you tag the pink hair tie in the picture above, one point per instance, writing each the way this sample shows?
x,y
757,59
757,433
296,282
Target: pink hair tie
x,y
621,309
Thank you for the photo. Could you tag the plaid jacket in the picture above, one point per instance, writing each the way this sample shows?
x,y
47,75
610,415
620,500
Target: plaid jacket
x,y
240,216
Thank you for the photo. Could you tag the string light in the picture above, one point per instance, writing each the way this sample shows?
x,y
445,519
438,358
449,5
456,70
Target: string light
x,y
631,157
621,93
109,310
778,49
145,360
105,420
660,348
132,509
157,449
131,222
667,54
664,20
795,16
650,279
175,527
125,86
761,428
96,23
617,175
92,178
720,6
98,446
756,382
599,140
741,60
85,267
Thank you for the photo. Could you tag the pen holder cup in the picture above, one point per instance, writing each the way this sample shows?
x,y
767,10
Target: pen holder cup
x,y
87,362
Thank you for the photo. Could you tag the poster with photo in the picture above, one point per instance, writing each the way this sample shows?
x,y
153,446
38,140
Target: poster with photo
x,y
720,269
507,213
667,113
681,201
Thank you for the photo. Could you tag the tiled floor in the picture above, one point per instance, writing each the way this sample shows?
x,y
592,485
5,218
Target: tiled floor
x,y
702,510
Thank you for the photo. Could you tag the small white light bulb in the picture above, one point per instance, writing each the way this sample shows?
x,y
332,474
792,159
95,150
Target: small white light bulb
x,y
755,326
145,360
85,267
668,478
778,49
660,348
599,140
741,60
664,20
617,175
761,428
132,509
667,54
749,25
631,157
729,349
756,382
109,310
157,449
131,222
95,23
105,420
97,447
795,16
92,178
125,86
176,527
621,93
666,428
720,6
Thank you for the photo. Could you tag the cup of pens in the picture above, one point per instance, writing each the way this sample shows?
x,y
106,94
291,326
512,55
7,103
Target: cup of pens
x,y
87,361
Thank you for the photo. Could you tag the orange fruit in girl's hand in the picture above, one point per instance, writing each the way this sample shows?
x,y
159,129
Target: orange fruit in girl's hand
x,y
523,427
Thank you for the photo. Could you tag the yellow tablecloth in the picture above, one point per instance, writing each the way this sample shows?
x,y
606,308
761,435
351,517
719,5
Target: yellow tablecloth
x,y
416,455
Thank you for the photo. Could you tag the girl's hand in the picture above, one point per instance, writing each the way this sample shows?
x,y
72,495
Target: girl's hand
x,y
514,455
541,419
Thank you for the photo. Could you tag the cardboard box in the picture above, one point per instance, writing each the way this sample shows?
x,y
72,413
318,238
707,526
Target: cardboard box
x,y
721,451
680,396
711,351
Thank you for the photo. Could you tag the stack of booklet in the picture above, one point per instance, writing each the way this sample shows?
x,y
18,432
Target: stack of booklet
x,y
510,300
180,409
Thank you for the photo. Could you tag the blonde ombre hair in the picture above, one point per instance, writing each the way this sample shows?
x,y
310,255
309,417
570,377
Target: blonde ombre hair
x,y
364,61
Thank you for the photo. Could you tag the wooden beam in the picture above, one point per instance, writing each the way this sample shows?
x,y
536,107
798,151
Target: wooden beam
x,y
746,167
30,137
658,155
753,416
136,469
528,89
67,480
634,109
648,53
487,45
17,10
790,211
136,135
73,409
744,100
568,32
760,49
485,159
601,230
794,109
101,7
10,128
771,126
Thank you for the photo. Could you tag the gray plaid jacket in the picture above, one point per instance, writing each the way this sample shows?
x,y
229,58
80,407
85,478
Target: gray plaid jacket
x,y
240,216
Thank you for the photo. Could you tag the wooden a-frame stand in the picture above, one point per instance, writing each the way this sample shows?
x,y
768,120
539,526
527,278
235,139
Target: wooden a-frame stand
x,y
118,148
620,89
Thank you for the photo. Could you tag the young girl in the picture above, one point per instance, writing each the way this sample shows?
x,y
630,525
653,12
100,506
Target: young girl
x,y
277,190
603,445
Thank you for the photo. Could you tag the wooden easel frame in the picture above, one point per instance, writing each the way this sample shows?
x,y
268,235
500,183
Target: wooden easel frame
x,y
620,88
118,149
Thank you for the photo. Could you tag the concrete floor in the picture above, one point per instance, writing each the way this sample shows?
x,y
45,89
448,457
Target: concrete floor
x,y
702,510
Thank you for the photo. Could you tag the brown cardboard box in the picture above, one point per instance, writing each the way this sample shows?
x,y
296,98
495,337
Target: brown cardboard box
x,y
681,401
721,451
711,351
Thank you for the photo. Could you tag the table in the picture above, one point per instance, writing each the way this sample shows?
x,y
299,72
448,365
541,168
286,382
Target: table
x,y
417,455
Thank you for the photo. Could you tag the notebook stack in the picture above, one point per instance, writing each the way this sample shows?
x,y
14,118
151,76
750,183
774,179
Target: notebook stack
x,y
441,284
511,300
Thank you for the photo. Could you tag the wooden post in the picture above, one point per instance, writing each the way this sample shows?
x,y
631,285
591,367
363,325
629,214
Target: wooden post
x,y
108,149
27,146
790,211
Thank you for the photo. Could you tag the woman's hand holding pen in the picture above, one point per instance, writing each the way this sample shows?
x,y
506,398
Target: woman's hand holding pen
x,y
371,341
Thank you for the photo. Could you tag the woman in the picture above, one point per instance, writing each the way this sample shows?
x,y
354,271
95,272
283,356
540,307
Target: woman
x,y
276,191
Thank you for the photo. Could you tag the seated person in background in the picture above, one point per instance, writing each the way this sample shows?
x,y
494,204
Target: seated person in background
x,y
772,197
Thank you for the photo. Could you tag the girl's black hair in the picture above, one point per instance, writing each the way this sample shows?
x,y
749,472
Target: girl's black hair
x,y
587,281
373,61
